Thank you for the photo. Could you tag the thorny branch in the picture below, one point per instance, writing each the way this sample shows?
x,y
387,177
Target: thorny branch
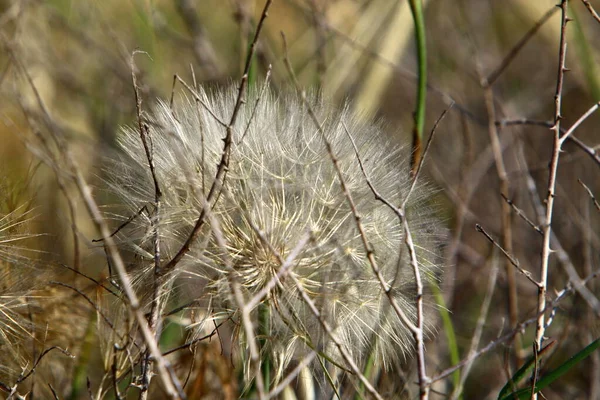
x,y
416,329
562,255
223,164
369,251
510,335
557,144
592,152
154,322
170,382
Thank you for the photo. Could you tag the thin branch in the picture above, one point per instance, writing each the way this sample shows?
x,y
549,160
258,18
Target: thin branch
x,y
521,214
423,156
509,335
169,381
94,305
562,255
587,189
23,377
224,162
193,342
585,116
483,313
197,97
154,320
509,257
256,103
506,217
592,152
588,5
556,150
367,246
495,74
416,330
236,288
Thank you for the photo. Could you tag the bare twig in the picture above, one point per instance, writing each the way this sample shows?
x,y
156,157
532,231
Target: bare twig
x,y
416,329
588,5
90,301
585,116
485,306
562,255
193,342
557,143
506,217
509,335
224,162
194,93
169,381
589,191
521,214
592,152
203,49
154,322
508,256
60,179
495,74
236,289
96,282
366,244
257,102
422,157
24,376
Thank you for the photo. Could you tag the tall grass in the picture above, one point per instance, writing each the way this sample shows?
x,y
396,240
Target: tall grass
x,y
124,277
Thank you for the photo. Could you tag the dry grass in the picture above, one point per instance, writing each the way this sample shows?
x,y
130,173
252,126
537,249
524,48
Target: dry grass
x,y
516,118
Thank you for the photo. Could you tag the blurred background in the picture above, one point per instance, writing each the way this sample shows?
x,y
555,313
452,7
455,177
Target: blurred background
x,y
495,62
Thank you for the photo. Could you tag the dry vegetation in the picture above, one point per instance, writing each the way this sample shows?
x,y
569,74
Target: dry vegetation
x,y
514,162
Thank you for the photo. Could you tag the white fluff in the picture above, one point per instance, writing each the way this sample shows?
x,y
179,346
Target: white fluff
x,y
281,178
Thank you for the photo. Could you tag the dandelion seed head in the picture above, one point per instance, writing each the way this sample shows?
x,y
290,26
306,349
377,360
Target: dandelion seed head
x,y
281,184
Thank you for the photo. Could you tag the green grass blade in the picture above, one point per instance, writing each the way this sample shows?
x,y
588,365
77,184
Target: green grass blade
x,y
449,331
80,373
557,373
523,372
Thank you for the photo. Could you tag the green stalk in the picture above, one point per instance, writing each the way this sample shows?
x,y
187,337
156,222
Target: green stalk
x,y
416,8
264,332
78,382
449,331
550,377
367,371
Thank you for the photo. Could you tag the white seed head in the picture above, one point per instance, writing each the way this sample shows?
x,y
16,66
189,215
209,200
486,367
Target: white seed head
x,y
282,184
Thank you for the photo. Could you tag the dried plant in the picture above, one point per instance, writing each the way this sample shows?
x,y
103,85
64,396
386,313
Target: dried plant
x,y
247,255
281,188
